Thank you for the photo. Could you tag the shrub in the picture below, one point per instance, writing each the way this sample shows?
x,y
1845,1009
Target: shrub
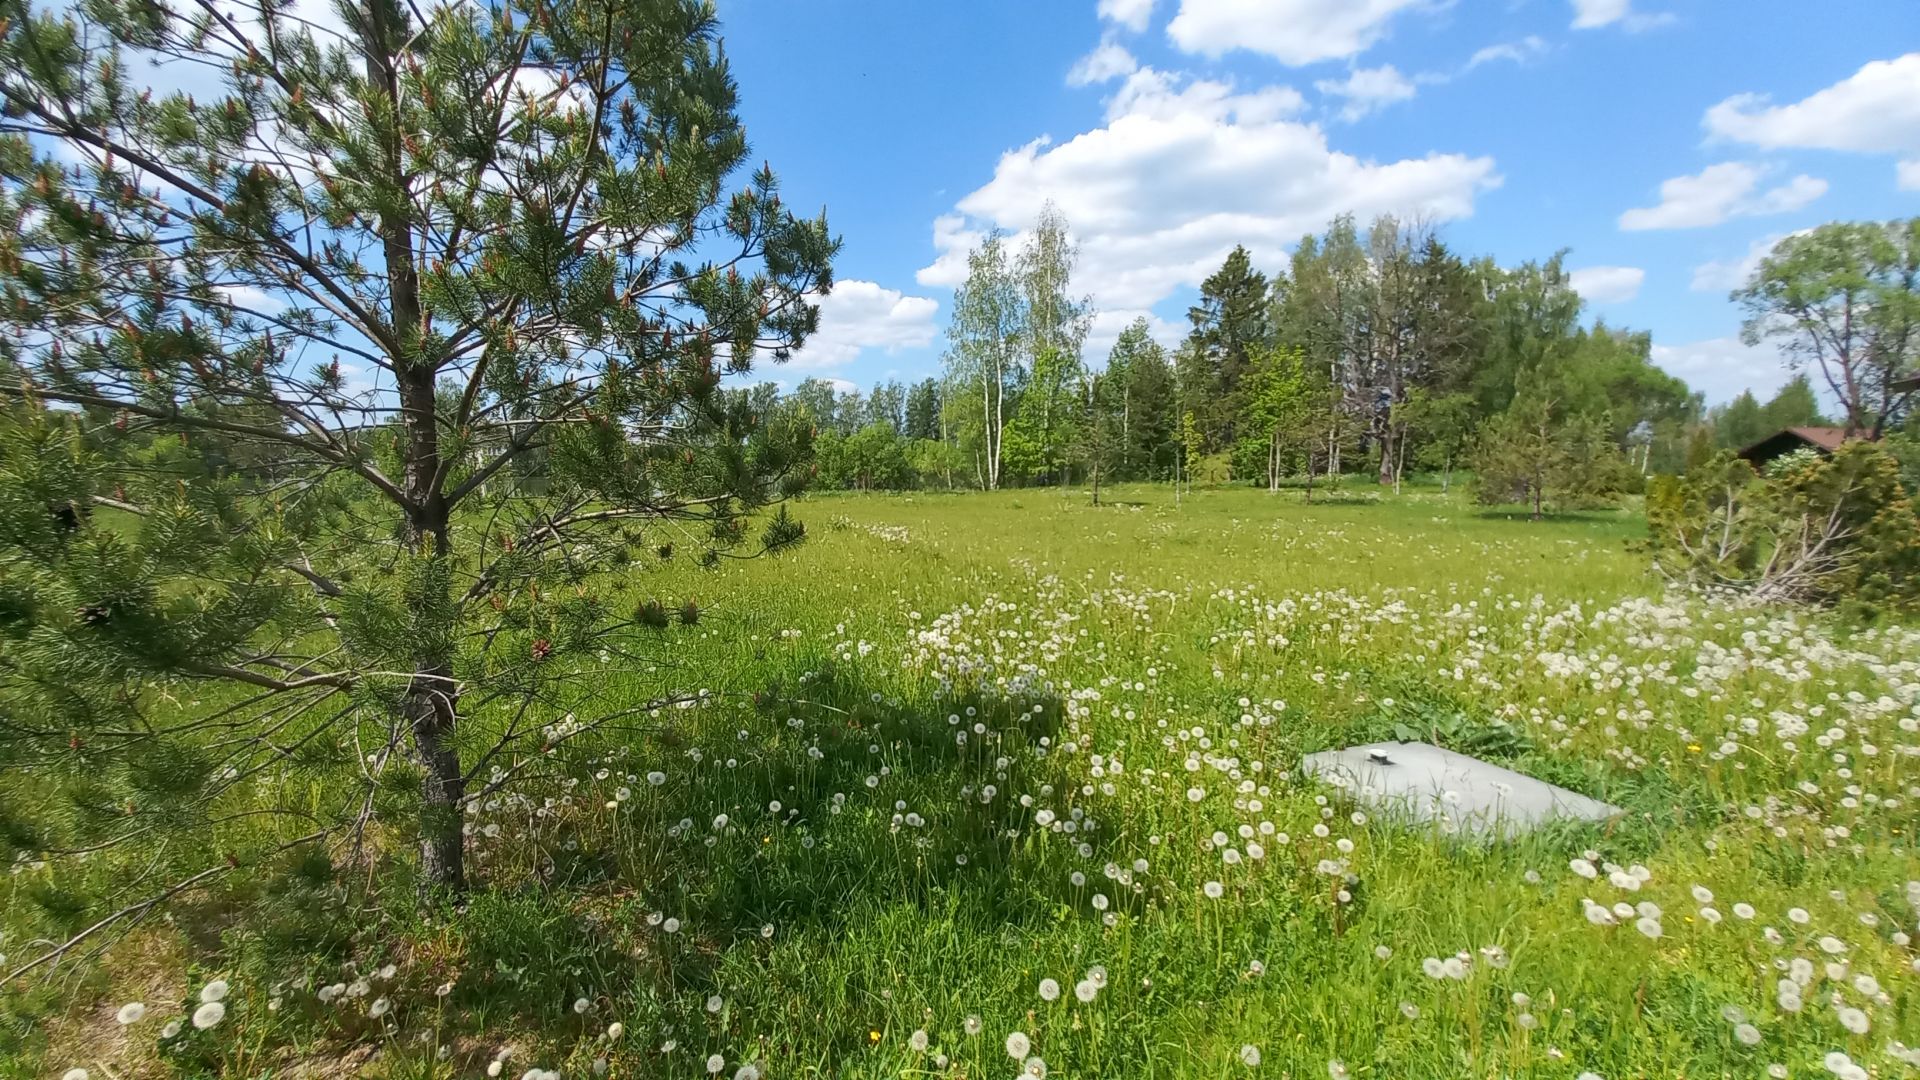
x,y
1813,530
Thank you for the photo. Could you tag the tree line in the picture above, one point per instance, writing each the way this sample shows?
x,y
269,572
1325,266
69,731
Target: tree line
x,y
1376,352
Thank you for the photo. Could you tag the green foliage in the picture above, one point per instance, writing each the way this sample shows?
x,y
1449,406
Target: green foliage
x,y
1839,529
350,492
1533,455
1844,300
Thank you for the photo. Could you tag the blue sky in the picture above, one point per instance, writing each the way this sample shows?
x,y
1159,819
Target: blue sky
x,y
1664,142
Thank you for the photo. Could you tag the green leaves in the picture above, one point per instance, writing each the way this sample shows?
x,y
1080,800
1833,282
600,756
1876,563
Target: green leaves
x,y
1839,529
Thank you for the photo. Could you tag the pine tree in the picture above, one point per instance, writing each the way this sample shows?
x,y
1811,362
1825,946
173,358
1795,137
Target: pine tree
x,y
1793,406
1232,319
1740,423
441,303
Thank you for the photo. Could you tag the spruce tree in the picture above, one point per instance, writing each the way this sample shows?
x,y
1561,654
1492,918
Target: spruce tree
x,y
339,372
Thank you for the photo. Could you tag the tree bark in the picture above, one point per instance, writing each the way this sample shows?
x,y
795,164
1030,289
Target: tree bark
x,y
429,706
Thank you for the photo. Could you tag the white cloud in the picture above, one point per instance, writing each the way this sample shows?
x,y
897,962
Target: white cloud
x,y
1874,110
1132,14
1593,14
1181,171
1725,275
1907,175
860,315
1607,284
1293,32
1367,90
1722,367
1106,63
1107,326
1719,192
1524,51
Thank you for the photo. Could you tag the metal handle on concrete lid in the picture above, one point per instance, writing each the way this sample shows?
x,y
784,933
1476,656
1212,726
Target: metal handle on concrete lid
x,y
1379,757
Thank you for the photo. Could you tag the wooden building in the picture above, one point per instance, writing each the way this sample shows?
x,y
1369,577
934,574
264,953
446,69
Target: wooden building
x,y
1825,440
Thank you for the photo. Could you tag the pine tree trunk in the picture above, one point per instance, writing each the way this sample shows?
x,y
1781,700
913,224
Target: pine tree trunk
x,y
1389,442
429,705
430,710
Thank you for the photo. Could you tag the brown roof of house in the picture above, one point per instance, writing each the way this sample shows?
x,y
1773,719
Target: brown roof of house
x,y
1826,438
1787,440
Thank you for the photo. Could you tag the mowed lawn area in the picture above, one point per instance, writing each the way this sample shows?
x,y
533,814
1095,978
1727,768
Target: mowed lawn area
x,y
1003,784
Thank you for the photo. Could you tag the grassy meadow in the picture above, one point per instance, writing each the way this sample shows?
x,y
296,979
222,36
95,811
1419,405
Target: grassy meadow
x,y
1000,785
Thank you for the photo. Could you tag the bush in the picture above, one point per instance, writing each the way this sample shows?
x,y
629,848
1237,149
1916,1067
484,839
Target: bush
x,y
1813,530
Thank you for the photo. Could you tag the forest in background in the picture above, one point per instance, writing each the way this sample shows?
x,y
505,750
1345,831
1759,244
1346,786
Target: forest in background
x,y
1377,352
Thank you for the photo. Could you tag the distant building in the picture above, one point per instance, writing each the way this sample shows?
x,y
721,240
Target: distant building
x,y
1825,440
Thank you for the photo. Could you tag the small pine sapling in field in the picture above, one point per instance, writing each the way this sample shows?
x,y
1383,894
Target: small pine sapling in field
x,y
525,285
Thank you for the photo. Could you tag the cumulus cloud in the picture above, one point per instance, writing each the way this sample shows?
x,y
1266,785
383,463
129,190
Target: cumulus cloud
x,y
1726,275
1718,192
1294,32
1366,90
1107,326
1183,169
1132,14
1722,367
1874,110
1106,63
1907,175
859,315
1607,284
1594,14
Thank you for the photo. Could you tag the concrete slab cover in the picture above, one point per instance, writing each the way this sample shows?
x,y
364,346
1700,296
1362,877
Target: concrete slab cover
x,y
1420,782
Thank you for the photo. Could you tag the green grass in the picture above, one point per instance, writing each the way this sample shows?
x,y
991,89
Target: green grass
x,y
889,893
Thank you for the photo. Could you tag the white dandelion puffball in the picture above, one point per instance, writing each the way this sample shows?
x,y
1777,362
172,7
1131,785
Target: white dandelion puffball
x,y
1649,927
209,1015
1336,1070
131,1012
715,1004
1086,990
615,1030
581,1005
1017,1045
1214,890
917,1042
1250,1056
214,991
1852,1019
379,1008
171,1029
1034,1069
74,1074
1747,1034
715,1064
1049,990
496,1067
